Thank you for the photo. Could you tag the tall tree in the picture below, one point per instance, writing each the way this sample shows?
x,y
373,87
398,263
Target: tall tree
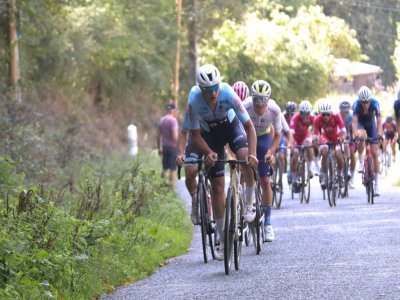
x,y
14,50
375,24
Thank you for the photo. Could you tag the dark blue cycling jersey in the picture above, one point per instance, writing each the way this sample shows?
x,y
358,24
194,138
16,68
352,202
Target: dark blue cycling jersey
x,y
367,121
369,118
396,107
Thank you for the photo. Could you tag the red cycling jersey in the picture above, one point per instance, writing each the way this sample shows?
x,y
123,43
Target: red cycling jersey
x,y
389,127
329,129
300,127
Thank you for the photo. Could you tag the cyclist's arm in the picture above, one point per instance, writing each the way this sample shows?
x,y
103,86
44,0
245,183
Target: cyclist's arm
x,y
181,143
251,136
200,142
379,125
354,125
275,142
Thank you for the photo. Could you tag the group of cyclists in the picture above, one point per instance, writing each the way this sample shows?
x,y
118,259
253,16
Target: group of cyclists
x,y
255,129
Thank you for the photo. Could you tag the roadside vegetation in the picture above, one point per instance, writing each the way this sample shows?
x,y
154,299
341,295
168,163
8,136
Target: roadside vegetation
x,y
119,224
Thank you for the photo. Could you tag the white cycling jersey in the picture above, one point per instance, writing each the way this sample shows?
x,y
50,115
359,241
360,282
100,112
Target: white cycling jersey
x,y
272,115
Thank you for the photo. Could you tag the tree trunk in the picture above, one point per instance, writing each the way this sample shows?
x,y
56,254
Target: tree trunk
x,y
193,41
14,55
178,51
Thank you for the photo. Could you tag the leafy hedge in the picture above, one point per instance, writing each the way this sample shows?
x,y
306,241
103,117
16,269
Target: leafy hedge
x,y
78,244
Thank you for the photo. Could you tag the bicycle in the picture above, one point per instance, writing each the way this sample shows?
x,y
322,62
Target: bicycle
x,y
234,217
385,157
276,178
204,207
344,191
368,174
303,175
333,185
256,227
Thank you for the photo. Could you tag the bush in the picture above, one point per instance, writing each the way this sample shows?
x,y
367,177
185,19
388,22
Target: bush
x,y
79,244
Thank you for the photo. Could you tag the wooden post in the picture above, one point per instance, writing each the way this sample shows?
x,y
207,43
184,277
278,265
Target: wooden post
x,y
14,53
178,51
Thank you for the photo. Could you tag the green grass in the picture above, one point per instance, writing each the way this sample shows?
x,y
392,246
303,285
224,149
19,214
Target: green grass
x,y
119,224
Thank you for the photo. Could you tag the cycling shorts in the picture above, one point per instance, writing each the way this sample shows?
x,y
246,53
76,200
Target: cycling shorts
x,y
372,131
389,135
192,152
222,133
263,145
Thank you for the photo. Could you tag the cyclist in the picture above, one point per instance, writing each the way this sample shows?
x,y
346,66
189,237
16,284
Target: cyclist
x,y
396,107
241,89
264,112
367,123
389,129
188,151
329,127
210,102
350,148
290,110
299,126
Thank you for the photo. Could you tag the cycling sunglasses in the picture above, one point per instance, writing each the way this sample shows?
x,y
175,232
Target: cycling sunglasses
x,y
326,114
262,99
304,113
210,89
366,102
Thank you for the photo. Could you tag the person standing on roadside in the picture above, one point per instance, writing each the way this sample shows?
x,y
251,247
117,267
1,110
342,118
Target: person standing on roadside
x,y
167,142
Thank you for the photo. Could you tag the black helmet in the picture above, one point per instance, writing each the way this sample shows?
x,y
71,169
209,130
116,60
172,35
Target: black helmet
x,y
290,107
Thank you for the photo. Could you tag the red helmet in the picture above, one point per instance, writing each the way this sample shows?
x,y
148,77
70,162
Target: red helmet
x,y
241,89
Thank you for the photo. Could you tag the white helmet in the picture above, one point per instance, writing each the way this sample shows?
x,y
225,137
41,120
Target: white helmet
x,y
364,94
207,75
325,107
305,106
261,88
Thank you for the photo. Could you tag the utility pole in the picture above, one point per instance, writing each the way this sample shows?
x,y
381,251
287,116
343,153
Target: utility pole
x,y
14,53
178,51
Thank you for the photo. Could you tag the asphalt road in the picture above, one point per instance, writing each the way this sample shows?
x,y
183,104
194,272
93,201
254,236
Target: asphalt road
x,y
351,251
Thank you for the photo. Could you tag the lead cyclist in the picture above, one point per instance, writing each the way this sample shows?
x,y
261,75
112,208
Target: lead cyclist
x,y
210,102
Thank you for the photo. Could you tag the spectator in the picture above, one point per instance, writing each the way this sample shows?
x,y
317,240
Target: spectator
x,y
167,142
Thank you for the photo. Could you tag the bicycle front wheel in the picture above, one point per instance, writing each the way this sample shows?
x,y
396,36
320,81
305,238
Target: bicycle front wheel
x,y
370,182
331,189
229,229
258,221
201,198
277,184
238,237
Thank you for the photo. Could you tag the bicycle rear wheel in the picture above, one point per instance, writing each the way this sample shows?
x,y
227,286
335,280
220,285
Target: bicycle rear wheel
x,y
238,238
229,229
201,198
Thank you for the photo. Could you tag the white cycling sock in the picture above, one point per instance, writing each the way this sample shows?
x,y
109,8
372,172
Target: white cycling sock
x,y
376,178
220,228
249,194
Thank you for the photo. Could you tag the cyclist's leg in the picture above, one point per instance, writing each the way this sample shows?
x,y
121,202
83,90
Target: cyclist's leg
x,y
314,169
294,165
372,132
217,178
264,171
237,140
323,151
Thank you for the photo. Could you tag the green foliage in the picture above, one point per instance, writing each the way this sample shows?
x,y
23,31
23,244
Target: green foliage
x,y
293,54
396,55
113,229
